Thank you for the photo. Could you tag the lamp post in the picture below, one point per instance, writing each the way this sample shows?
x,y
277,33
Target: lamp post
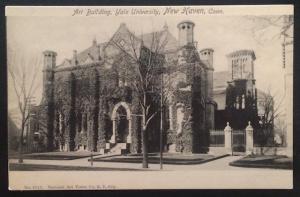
x,y
161,125
92,158
25,116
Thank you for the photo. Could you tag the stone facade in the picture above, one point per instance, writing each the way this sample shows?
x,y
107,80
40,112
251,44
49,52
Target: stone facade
x,y
88,105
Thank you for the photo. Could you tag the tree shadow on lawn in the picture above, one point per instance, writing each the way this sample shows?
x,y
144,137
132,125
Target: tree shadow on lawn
x,y
56,155
265,161
178,159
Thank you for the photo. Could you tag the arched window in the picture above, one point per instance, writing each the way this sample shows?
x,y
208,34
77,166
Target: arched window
x,y
243,101
84,123
179,117
237,102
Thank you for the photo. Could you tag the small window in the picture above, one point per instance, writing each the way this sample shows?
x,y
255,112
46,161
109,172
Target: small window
x,y
188,26
122,42
208,53
183,27
204,53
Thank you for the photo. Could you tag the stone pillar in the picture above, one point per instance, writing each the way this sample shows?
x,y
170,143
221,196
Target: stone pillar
x,y
113,137
129,140
227,138
171,116
249,139
82,122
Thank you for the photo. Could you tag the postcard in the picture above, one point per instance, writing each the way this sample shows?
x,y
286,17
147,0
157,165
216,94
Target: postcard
x,y
150,97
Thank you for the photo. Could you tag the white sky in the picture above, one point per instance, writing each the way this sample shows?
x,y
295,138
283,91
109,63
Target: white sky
x,y
30,36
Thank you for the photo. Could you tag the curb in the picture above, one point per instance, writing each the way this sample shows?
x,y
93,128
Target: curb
x,y
193,162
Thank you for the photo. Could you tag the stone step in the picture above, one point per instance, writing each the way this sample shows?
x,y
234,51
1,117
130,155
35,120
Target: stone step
x,y
118,148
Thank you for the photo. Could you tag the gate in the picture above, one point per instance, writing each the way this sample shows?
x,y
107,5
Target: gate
x,y
238,142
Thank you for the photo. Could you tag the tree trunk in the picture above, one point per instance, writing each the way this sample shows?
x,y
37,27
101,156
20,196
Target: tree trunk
x,y
145,147
21,145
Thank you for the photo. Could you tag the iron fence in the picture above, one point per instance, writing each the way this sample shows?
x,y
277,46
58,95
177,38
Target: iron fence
x,y
216,138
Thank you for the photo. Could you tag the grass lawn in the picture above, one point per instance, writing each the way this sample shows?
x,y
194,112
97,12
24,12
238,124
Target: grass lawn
x,y
43,167
264,161
56,155
168,158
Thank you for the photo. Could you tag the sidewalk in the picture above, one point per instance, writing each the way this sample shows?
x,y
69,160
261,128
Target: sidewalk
x,y
218,164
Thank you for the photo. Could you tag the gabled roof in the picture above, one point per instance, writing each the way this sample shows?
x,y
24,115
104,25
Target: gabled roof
x,y
123,33
90,53
171,42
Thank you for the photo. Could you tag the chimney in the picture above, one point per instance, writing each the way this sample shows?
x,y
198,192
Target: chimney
x,y
94,42
49,59
98,53
74,60
186,33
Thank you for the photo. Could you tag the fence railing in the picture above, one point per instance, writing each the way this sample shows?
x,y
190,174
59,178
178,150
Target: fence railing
x,y
238,140
216,138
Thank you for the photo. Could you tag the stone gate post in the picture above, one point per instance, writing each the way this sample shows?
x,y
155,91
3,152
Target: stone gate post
x,y
227,138
249,139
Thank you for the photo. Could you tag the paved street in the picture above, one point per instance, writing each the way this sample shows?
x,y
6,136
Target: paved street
x,y
213,174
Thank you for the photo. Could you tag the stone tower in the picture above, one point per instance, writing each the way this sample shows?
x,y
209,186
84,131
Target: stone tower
x,y
241,68
48,74
241,64
185,33
241,92
48,94
206,57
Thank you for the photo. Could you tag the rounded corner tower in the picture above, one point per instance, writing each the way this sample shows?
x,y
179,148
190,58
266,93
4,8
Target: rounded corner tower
x,y
185,32
49,59
207,55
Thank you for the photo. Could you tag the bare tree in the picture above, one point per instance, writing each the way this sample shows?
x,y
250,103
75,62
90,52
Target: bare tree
x,y
23,74
269,112
280,130
141,65
270,28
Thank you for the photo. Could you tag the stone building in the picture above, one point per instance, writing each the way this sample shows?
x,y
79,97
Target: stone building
x,y
89,103
235,91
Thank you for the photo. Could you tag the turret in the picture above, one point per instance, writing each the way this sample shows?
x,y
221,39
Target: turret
x,y
49,60
49,65
185,33
48,94
241,64
207,56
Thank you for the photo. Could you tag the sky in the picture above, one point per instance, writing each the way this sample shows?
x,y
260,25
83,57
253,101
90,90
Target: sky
x,y
28,37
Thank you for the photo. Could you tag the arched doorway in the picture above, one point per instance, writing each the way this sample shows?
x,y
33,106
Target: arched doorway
x,y
121,125
121,118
